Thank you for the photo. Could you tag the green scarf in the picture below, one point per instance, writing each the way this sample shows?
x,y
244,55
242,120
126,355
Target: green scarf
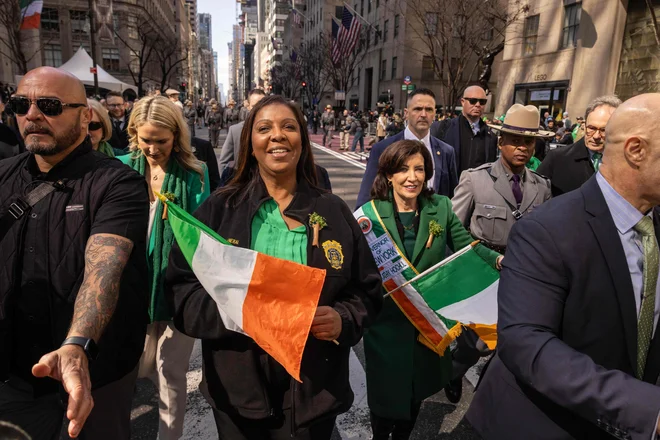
x,y
175,182
106,149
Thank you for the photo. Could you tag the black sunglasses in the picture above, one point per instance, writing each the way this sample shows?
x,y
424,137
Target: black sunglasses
x,y
93,126
474,101
20,105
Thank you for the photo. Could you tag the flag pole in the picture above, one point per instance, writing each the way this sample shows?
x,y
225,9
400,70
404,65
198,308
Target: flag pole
x,y
297,11
432,268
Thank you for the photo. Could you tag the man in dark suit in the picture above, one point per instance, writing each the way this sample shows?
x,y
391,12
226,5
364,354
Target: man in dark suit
x,y
119,119
420,112
471,138
569,167
578,351
204,151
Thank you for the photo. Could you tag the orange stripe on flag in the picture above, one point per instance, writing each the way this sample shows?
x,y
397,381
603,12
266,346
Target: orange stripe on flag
x,y
390,285
416,317
31,22
279,308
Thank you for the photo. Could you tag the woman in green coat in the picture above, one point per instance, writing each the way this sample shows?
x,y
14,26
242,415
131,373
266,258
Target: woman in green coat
x,y
402,372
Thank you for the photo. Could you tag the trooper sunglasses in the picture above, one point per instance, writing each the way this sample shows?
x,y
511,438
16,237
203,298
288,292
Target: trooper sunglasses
x,y
94,125
20,105
473,101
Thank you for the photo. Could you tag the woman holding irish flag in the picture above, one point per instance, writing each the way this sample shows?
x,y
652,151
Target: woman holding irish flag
x,y
270,373
161,152
417,226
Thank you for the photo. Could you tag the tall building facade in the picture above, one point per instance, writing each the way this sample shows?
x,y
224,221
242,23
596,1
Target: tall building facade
x,y
567,53
65,27
205,33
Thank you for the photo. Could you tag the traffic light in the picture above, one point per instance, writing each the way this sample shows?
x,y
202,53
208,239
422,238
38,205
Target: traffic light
x,y
304,84
183,86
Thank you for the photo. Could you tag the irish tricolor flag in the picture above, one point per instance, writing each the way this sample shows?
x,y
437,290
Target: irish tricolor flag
x,y
462,290
273,301
31,13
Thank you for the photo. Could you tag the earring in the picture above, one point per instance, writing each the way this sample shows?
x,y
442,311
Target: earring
x,y
177,149
389,183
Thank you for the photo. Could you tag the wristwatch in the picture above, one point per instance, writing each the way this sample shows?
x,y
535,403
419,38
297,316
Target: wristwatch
x,y
87,344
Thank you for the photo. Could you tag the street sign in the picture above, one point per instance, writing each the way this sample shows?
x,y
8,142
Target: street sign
x,y
340,95
92,70
407,80
411,87
404,87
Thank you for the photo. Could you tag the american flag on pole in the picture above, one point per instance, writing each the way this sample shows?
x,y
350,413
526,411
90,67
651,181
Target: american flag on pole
x,y
296,18
347,35
335,44
296,59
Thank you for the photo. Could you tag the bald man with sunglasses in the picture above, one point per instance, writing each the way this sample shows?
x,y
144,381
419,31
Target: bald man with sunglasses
x,y
73,304
471,138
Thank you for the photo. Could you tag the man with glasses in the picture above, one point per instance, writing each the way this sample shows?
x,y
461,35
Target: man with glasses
x,y
569,167
473,142
119,118
73,303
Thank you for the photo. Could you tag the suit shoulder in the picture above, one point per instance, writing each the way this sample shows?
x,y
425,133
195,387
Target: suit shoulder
x,y
540,177
484,167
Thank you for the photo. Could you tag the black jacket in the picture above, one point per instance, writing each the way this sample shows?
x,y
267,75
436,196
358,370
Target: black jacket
x,y
567,167
119,139
102,195
203,151
239,376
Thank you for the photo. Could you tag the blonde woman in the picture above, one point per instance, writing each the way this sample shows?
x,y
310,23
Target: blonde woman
x,y
160,150
100,128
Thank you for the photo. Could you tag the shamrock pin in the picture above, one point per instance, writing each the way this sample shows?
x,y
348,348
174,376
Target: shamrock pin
x,y
317,222
435,230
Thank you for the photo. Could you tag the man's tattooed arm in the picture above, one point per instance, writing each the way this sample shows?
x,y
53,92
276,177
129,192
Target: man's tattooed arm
x,y
106,256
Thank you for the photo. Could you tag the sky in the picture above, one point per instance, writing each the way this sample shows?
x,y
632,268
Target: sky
x,y
223,16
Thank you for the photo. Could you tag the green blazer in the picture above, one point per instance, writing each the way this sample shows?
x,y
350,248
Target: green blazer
x,y
400,370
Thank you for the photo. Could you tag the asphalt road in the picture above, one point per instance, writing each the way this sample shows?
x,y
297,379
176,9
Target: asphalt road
x,y
438,418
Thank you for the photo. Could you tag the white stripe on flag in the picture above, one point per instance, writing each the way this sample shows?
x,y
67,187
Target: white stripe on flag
x,y
480,308
225,272
416,299
33,8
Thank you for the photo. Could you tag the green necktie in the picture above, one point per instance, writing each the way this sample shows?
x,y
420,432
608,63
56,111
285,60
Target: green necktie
x,y
596,158
647,309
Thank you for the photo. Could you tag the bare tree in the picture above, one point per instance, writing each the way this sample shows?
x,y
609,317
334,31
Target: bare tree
x,y
654,21
169,56
285,79
311,62
342,75
141,38
14,47
459,36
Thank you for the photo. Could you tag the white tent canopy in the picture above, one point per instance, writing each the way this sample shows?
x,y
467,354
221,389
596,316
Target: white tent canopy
x,y
79,66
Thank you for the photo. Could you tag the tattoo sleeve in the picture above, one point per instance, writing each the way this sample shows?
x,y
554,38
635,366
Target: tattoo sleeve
x,y
105,258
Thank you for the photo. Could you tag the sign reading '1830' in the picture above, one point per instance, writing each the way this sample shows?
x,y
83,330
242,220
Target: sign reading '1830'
x,y
540,77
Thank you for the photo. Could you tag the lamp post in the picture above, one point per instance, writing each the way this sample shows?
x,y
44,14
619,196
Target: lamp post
x,y
92,31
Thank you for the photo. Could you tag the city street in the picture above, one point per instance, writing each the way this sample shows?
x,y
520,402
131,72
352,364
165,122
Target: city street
x,y
438,418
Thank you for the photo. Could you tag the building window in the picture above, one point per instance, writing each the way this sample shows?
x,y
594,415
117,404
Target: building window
x,y
368,37
571,25
368,6
458,26
339,11
52,55
132,27
386,26
377,35
377,3
110,58
428,73
361,7
135,62
79,22
115,21
50,20
394,60
396,26
383,70
431,27
530,34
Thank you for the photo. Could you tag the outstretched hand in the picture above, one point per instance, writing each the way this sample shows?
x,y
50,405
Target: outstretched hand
x,y
69,365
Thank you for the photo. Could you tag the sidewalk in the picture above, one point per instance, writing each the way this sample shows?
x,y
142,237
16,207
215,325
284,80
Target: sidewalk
x,y
334,145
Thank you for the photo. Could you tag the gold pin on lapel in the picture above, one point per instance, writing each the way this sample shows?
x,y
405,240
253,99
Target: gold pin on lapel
x,y
438,153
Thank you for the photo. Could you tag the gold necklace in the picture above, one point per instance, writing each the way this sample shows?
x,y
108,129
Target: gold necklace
x,y
412,226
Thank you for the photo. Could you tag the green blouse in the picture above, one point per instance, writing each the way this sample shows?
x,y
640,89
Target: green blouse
x,y
409,236
271,235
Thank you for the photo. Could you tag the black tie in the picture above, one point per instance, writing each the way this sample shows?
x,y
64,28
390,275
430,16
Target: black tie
x,y
118,125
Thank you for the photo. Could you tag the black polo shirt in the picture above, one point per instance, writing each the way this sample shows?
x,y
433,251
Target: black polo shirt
x,y
43,261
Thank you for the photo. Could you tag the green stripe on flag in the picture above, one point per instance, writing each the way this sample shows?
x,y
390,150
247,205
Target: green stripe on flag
x,y
187,230
456,281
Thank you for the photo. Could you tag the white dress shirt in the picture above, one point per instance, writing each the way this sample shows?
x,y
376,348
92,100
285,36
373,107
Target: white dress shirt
x,y
409,136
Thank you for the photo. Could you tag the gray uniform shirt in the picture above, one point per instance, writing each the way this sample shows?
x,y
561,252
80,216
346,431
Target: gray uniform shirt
x,y
484,201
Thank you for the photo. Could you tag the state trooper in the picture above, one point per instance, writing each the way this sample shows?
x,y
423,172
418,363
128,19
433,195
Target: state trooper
x,y
488,201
